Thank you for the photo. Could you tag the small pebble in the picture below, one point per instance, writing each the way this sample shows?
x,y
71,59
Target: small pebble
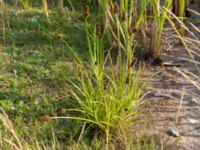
x,y
173,132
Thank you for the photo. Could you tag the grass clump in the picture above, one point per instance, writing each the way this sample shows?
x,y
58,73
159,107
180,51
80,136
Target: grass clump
x,y
138,23
107,102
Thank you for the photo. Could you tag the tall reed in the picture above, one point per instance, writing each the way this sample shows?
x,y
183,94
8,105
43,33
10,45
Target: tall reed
x,y
143,18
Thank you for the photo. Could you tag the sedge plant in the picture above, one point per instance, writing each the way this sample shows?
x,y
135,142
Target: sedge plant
x,y
136,23
25,4
159,17
180,11
108,100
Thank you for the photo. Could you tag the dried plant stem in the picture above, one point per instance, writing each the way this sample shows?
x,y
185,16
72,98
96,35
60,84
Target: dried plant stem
x,y
188,78
180,105
81,135
7,123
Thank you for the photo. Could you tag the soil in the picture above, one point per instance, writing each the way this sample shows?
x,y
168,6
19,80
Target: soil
x,y
173,99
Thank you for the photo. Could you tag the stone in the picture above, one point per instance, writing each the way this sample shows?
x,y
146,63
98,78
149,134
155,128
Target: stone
x,y
173,132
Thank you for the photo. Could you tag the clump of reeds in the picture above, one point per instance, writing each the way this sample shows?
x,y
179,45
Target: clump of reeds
x,y
136,23
108,101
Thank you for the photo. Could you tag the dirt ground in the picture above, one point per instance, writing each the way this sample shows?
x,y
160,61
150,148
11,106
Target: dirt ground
x,y
174,96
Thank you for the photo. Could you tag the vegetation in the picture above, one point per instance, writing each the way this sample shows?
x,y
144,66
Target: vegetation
x,y
72,79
